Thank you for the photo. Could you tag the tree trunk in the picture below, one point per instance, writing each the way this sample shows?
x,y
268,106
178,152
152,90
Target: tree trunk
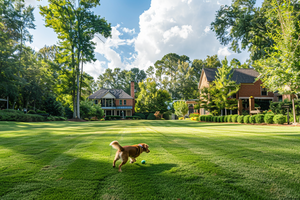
x,y
78,94
294,110
74,104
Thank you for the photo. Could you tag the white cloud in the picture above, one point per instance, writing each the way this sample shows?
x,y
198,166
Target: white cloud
x,y
222,52
178,26
169,26
127,30
106,47
207,29
30,2
94,68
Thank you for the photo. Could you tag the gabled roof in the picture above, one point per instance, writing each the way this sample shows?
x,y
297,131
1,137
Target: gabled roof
x,y
118,93
239,75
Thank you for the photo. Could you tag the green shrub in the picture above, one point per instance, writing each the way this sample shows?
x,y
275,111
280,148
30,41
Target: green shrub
x,y
292,118
31,112
259,118
209,118
133,117
225,118
142,116
214,118
20,116
240,119
268,119
41,112
279,119
151,116
113,117
229,117
222,118
86,119
53,107
234,118
252,119
246,119
193,115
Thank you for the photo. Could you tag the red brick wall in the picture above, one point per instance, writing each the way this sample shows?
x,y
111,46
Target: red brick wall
x,y
247,90
129,102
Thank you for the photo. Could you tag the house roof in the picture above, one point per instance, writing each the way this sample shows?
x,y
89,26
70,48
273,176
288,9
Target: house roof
x,y
239,75
118,93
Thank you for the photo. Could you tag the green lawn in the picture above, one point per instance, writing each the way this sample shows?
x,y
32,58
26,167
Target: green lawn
x,y
188,160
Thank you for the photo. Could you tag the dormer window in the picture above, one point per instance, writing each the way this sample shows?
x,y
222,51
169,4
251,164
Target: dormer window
x,y
263,91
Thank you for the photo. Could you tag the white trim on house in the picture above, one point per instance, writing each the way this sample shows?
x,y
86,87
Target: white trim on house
x,y
108,95
257,98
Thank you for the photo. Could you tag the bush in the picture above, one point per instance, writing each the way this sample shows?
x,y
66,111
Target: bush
x,y
53,107
240,119
234,118
292,118
141,115
214,118
225,118
133,117
31,112
268,119
246,119
193,115
222,118
88,110
279,119
252,119
259,118
229,117
113,117
41,112
20,116
208,118
151,116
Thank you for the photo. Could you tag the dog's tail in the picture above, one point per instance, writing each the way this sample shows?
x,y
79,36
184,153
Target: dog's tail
x,y
116,145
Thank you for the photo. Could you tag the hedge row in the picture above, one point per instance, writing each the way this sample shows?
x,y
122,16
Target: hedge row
x,y
259,118
109,117
133,117
14,115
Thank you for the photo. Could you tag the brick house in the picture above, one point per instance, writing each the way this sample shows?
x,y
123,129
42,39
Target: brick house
x,y
251,91
115,101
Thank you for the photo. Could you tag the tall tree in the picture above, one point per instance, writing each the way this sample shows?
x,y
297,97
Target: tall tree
x,y
152,99
209,62
15,22
76,25
181,108
219,94
243,26
280,69
226,88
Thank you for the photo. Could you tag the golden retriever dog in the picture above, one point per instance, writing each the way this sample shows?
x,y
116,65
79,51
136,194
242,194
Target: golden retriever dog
x,y
126,152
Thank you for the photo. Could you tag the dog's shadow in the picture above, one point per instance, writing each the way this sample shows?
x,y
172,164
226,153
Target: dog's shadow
x,y
148,168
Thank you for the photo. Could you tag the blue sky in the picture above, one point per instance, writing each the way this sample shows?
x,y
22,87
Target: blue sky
x,y
143,31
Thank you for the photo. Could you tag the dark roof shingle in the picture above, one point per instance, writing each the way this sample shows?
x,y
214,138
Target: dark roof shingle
x,y
118,93
239,75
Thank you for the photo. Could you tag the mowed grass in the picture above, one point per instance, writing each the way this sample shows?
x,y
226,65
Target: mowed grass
x,y
188,160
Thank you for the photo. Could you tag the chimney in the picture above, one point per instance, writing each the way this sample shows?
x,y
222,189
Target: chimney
x,y
132,89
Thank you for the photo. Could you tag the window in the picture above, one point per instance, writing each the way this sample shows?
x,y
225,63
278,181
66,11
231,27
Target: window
x,y
120,102
263,91
96,101
124,102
